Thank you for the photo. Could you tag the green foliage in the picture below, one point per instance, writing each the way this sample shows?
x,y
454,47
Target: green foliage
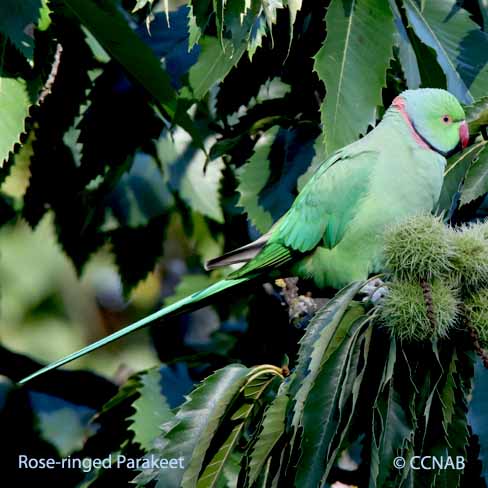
x,y
390,417
477,114
15,101
111,30
151,409
17,21
189,435
271,431
214,64
253,177
334,393
264,195
344,58
457,41
188,173
476,181
454,175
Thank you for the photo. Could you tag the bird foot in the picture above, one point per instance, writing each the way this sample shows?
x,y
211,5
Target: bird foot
x,y
298,305
375,291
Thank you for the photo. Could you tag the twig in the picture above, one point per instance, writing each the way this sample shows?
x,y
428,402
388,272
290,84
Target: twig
x,y
482,353
429,303
475,338
52,75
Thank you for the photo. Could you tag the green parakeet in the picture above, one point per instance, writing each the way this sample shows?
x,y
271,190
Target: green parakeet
x,y
333,232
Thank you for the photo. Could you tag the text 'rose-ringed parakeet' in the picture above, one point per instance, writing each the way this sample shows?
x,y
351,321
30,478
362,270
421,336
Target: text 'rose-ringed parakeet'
x,y
333,232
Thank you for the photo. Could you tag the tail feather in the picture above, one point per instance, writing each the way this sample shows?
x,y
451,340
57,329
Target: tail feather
x,y
242,254
187,304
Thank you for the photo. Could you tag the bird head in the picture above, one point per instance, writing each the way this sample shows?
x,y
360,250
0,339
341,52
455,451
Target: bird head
x,y
436,117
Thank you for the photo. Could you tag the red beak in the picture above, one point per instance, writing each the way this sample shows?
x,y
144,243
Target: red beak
x,y
464,134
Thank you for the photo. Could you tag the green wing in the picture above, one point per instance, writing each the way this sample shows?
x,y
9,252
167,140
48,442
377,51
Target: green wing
x,y
328,202
322,211
269,258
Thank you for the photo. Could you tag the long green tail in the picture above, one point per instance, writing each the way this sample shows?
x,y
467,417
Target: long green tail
x,y
187,304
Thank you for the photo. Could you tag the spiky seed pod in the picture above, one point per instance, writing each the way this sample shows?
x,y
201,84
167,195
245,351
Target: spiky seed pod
x,y
484,228
409,318
470,257
418,248
476,308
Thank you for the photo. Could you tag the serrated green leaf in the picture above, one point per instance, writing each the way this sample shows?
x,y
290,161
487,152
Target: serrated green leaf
x,y
433,378
111,30
14,107
431,73
194,426
141,193
213,64
198,18
186,169
17,19
151,409
353,71
252,179
406,52
270,8
322,337
448,395
484,12
331,389
63,424
126,391
476,181
478,407
44,17
395,431
458,41
315,342
270,432
267,182
257,382
391,429
231,469
318,158
294,7
348,407
477,115
456,441
214,468
257,34
141,4
454,175
245,23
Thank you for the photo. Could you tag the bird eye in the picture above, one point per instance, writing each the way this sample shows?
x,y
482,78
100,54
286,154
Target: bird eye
x,y
446,119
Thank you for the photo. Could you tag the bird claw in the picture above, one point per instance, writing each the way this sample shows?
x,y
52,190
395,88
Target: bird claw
x,y
375,291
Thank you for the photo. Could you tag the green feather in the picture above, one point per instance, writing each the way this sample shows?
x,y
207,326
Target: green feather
x,y
323,209
192,302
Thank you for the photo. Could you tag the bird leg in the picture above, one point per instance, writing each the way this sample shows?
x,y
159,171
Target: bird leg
x,y
298,305
375,290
